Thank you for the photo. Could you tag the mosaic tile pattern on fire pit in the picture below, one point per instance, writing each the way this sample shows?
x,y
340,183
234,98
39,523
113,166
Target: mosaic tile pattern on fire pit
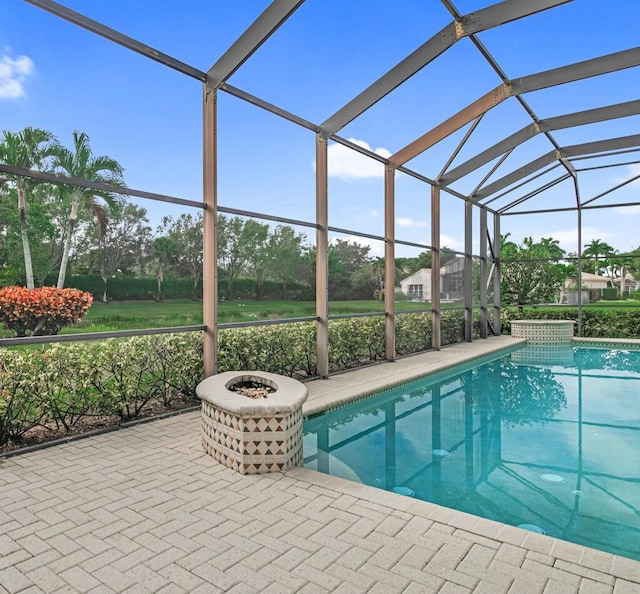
x,y
543,331
252,445
252,436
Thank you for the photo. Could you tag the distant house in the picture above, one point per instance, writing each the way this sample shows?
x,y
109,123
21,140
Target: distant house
x,y
631,285
418,285
594,281
590,282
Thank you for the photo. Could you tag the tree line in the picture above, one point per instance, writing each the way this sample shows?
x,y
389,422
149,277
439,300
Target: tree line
x,y
541,272
70,230
47,227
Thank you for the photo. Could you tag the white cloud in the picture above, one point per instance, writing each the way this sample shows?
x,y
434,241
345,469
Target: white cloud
x,y
374,212
13,74
451,243
632,210
568,238
407,222
630,171
345,163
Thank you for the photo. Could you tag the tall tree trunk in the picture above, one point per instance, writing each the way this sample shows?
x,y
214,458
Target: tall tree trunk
x,y
259,287
105,277
160,278
73,217
623,281
195,296
28,268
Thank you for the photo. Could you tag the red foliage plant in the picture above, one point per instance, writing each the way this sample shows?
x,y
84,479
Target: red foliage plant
x,y
40,311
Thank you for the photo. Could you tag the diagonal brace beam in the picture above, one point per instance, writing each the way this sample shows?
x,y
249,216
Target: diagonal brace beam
x,y
579,118
112,35
454,123
481,20
587,148
249,42
557,76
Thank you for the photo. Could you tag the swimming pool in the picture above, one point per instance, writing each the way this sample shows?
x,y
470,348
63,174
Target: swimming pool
x,y
543,438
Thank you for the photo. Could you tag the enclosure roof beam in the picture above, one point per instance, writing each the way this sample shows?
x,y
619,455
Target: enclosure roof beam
x,y
569,209
607,166
565,152
613,189
577,71
542,173
112,35
453,124
533,193
580,118
549,78
249,42
481,20
59,180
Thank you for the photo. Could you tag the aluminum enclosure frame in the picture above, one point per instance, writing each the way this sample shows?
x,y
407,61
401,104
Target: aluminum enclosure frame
x,y
215,81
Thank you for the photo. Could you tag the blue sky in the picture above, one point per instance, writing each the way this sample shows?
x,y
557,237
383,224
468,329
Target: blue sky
x,y
57,76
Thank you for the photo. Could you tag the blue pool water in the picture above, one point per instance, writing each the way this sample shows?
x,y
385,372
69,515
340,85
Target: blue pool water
x,y
547,439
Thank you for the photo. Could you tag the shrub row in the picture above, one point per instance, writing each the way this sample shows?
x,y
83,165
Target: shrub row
x,y
58,386
127,288
596,323
64,383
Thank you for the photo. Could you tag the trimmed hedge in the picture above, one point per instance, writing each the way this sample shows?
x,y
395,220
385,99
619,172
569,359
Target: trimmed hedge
x,y
596,323
64,383
67,382
129,288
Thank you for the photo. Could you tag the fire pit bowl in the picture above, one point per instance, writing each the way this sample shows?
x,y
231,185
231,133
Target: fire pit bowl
x,y
252,435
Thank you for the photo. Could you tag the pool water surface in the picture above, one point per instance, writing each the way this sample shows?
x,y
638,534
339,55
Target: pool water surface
x,y
547,439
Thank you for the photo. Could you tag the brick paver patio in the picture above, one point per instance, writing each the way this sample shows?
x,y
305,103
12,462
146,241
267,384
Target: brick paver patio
x,y
145,510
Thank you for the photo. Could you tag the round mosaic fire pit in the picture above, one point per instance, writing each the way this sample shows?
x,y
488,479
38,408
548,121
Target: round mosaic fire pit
x,y
252,435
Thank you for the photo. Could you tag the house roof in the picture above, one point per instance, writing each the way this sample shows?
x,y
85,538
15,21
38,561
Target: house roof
x,y
628,278
418,273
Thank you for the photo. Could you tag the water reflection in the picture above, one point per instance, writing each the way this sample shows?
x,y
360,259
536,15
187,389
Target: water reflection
x,y
484,441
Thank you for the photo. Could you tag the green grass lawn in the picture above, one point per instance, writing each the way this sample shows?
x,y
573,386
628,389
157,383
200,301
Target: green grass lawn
x,y
132,315
150,314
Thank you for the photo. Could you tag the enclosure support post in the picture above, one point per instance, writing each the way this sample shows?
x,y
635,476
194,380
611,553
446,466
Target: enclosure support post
x,y
579,212
468,271
322,257
483,273
389,265
209,233
497,271
435,268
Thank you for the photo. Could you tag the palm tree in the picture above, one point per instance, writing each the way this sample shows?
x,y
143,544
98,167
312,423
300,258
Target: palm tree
x,y
594,249
79,162
165,249
27,149
621,264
